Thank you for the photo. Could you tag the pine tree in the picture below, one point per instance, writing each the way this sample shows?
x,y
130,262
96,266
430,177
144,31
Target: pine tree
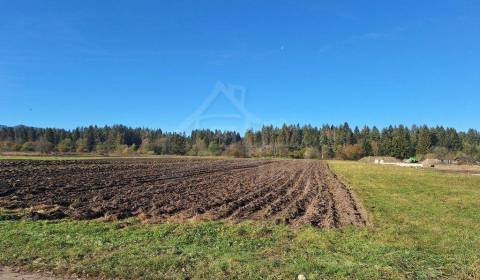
x,y
424,141
401,142
90,139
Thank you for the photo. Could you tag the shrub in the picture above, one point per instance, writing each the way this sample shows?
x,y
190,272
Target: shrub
x,y
214,149
199,148
44,146
440,153
282,151
121,149
146,147
28,147
350,152
327,152
81,146
8,146
66,145
102,148
295,152
311,153
236,150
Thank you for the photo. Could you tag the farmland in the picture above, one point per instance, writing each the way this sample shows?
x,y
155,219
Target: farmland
x,y
422,224
176,189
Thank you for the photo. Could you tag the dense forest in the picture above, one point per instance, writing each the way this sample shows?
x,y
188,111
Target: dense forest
x,y
293,141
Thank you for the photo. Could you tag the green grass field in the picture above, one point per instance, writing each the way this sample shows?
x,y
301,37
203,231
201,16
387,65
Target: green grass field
x,y
424,225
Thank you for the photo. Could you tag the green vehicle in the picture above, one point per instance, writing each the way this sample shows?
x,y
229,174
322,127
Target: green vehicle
x,y
412,160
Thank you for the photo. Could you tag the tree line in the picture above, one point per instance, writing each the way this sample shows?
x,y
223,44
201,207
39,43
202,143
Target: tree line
x,y
294,141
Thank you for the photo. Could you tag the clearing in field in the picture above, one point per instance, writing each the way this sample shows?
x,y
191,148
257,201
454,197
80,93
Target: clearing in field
x,y
172,189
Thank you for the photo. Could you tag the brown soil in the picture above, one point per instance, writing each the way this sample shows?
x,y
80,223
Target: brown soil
x,y
175,189
7,273
463,168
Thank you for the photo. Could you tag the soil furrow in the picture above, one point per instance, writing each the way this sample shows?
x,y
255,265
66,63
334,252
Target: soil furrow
x,y
294,192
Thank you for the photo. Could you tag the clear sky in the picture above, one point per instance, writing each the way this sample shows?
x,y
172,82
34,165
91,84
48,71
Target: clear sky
x,y
154,63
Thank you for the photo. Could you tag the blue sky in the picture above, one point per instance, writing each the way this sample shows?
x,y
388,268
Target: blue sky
x,y
154,63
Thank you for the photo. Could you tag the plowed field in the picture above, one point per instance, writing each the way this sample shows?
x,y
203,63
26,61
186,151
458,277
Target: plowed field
x,y
294,192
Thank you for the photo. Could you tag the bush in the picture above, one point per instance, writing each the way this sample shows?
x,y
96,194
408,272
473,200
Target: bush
x,y
28,147
146,147
159,149
440,153
66,145
252,151
102,148
81,146
350,152
265,151
199,148
121,148
236,150
327,152
44,146
7,146
311,153
375,148
282,151
214,149
295,152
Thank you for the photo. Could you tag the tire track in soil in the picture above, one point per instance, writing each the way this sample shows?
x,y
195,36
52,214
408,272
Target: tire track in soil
x,y
247,210
285,202
228,210
295,210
